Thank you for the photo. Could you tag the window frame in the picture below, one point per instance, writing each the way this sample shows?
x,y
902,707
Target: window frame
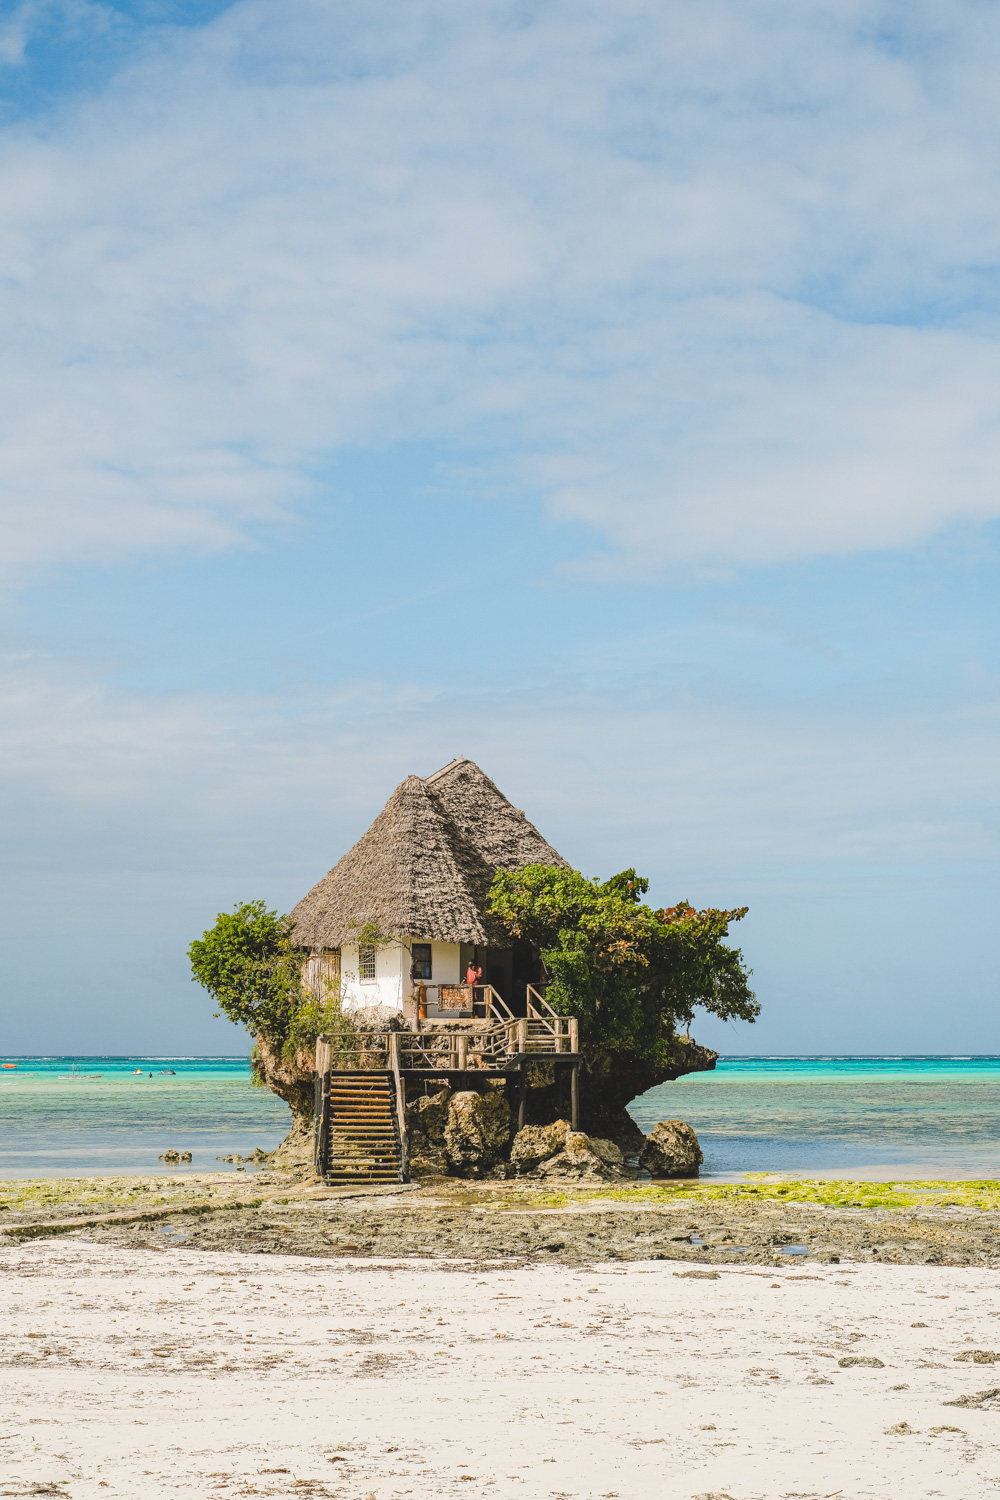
x,y
367,955
429,961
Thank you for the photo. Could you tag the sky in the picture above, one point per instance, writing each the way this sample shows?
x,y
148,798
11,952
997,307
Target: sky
x,y
609,393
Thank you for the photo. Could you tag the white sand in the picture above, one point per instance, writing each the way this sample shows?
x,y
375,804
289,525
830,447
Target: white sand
x,y
127,1372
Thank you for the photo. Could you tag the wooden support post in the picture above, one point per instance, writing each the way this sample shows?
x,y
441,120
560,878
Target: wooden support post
x,y
318,1124
400,1104
574,1035
463,1053
522,1035
522,1099
321,1124
574,1097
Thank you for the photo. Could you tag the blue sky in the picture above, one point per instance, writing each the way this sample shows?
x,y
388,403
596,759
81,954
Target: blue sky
x,y
607,393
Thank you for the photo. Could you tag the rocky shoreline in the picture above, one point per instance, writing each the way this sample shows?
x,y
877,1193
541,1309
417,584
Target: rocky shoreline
x,y
471,1136
271,1213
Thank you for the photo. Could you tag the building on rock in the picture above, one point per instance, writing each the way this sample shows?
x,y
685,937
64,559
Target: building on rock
x,y
404,917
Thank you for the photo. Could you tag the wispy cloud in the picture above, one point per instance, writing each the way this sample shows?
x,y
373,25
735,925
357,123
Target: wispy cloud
x,y
16,27
32,21
713,279
265,791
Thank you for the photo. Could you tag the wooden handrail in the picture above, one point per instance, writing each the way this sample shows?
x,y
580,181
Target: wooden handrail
x,y
404,1145
321,1106
556,1024
535,1000
480,994
449,1051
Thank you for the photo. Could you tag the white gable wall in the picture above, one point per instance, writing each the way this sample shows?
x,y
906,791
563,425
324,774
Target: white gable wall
x,y
391,985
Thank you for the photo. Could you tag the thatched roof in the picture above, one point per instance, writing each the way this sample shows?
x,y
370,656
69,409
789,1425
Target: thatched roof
x,y
425,866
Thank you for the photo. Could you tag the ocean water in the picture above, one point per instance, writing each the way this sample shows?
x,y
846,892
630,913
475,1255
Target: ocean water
x,y
840,1116
55,1121
832,1116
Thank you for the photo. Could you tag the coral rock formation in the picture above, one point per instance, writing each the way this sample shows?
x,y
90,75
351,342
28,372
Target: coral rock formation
x,y
426,1118
476,1133
555,1151
671,1150
536,1143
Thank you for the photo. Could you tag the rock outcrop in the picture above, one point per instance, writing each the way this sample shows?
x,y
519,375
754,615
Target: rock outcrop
x,y
297,1151
582,1159
555,1151
609,1153
609,1081
476,1132
426,1118
537,1143
671,1150
292,1079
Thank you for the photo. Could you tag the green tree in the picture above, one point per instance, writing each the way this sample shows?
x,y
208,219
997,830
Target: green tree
x,y
631,975
248,965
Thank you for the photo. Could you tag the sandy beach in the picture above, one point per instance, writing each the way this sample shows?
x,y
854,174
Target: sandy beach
x,y
178,1372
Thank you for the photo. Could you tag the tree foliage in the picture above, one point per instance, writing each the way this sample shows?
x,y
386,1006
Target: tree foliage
x,y
254,974
630,974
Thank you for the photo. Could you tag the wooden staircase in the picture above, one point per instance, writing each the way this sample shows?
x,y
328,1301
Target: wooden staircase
x,y
363,1142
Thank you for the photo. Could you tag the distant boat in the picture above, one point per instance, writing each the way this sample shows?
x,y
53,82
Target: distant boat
x,y
63,1077
135,1071
171,1071
8,1065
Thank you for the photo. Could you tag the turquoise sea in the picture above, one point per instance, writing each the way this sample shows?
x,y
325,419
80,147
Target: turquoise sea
x,y
58,1120
840,1116
832,1116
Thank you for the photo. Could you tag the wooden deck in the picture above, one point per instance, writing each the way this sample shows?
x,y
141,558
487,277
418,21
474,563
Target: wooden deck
x,y
465,1055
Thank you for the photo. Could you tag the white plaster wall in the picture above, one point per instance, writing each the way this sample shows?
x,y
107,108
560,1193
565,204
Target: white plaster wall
x,y
392,977
445,963
391,985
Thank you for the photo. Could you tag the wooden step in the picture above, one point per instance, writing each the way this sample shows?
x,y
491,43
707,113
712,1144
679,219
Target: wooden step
x,y
362,1144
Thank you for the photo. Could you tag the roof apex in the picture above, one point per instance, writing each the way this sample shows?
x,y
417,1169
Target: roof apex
x,y
425,866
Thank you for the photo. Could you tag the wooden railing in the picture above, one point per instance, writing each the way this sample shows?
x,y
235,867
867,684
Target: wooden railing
x,y
481,999
503,1048
545,1022
493,1047
456,1051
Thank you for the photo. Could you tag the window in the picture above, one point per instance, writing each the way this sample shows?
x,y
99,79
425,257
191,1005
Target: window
x,y
366,963
421,955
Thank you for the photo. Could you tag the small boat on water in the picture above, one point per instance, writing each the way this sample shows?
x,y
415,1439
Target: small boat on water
x,y
8,1065
63,1077
171,1071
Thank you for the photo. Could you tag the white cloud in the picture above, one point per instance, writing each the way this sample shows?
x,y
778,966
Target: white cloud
x,y
262,793
710,277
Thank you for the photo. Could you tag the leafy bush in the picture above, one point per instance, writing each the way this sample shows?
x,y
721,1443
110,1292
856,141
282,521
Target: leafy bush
x,y
250,968
254,975
630,974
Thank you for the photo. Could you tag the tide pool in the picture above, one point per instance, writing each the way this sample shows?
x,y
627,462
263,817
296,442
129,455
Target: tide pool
x,y
55,1121
840,1115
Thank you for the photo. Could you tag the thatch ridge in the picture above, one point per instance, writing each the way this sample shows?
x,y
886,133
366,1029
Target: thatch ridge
x,y
425,866
498,829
